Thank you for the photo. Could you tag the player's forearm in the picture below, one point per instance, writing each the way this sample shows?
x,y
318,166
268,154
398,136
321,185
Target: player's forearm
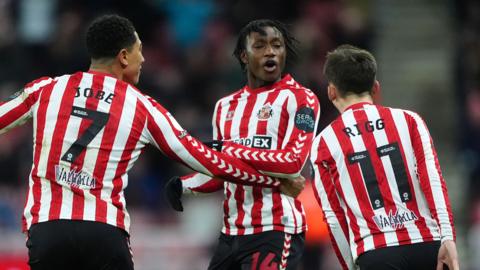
x,y
223,166
340,244
431,178
286,163
445,214
168,135
334,215
200,183
14,112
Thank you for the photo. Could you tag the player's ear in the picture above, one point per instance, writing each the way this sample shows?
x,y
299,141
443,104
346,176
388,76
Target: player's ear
x,y
332,92
122,57
244,57
376,92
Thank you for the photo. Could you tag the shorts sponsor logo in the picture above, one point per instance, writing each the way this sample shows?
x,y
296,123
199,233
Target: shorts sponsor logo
x,y
305,119
260,142
395,220
74,178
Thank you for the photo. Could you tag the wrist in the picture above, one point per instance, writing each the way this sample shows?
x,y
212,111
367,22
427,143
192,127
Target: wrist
x,y
446,238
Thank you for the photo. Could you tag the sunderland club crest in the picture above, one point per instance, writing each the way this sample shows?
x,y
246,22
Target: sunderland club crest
x,y
265,112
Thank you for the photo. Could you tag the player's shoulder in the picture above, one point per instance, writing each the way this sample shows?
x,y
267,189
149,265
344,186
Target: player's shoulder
x,y
230,96
234,94
38,83
288,83
326,131
409,114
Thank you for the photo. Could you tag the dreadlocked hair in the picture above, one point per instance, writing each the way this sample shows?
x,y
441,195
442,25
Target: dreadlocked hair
x,y
259,26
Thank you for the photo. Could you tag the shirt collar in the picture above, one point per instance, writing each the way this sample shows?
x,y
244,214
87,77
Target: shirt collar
x,y
100,73
284,80
357,106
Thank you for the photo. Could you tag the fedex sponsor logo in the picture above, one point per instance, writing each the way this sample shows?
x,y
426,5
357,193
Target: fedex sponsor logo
x,y
395,220
74,178
260,142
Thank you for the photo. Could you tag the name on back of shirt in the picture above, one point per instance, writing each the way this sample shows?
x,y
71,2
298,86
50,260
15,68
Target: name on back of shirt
x,y
361,127
98,94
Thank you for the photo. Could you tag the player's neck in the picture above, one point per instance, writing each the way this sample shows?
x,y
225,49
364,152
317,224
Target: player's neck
x,y
254,82
107,68
342,103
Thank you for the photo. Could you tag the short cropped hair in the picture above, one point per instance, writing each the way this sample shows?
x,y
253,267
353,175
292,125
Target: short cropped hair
x,y
351,69
109,34
258,26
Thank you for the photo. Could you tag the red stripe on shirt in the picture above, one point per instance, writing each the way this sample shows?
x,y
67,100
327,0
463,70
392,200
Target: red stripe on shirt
x,y
227,131
78,202
63,117
325,177
277,209
134,136
422,170
240,190
359,184
108,138
393,136
382,181
41,117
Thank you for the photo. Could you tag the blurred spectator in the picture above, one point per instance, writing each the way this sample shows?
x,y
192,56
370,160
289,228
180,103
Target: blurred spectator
x,y
468,93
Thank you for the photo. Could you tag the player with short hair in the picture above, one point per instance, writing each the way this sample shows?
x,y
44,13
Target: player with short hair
x,y
89,129
377,176
270,123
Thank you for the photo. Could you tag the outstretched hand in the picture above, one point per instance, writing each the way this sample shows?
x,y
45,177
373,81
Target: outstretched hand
x,y
447,255
292,187
173,191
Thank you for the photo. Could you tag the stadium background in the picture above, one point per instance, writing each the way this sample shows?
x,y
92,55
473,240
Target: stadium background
x,y
428,53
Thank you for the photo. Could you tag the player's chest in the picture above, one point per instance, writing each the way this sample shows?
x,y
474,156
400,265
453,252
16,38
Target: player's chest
x,y
251,120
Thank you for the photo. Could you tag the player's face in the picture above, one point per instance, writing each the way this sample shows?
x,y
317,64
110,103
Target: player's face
x,y
131,74
265,55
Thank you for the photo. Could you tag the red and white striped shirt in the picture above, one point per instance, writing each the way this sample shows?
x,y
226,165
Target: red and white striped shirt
x,y
89,129
272,129
378,181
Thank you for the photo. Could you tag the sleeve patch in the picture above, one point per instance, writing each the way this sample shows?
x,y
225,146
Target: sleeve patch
x,y
305,119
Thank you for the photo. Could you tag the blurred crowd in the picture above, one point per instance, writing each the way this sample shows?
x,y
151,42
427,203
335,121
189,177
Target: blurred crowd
x,y
468,78
467,68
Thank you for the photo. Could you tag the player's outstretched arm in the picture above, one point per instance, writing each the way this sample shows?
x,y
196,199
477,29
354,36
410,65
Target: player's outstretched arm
x,y
164,131
16,110
327,198
430,176
200,183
